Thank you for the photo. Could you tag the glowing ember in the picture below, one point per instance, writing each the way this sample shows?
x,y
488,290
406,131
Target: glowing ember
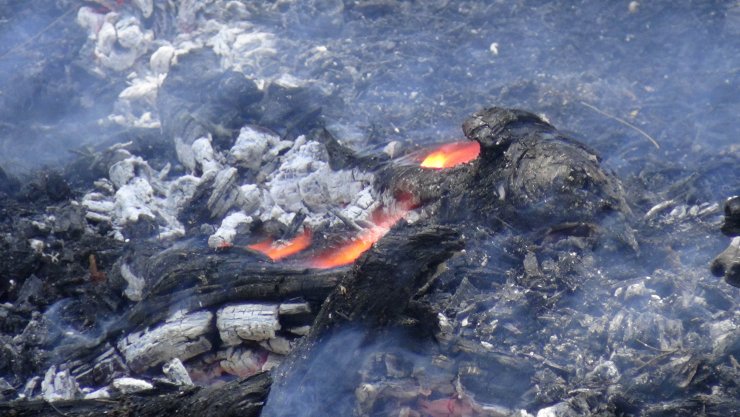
x,y
279,250
348,252
452,154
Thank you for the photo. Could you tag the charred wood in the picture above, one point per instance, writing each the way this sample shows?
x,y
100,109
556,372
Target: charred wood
x,y
374,294
238,398
194,280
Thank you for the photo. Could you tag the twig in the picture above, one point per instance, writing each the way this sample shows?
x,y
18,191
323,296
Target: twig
x,y
96,275
56,409
655,359
649,347
346,220
624,122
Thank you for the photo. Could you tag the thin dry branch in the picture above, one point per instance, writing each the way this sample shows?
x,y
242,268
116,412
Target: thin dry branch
x,y
624,122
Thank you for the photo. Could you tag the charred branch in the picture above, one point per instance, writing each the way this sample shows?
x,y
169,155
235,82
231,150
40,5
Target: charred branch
x,y
239,398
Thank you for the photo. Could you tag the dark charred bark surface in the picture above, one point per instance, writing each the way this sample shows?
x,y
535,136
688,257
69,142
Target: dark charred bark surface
x,y
727,263
239,398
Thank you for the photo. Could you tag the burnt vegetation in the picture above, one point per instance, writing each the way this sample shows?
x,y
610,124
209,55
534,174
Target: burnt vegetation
x,y
529,280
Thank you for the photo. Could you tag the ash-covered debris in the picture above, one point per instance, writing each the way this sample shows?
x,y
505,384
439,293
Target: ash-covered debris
x,y
122,38
271,180
574,295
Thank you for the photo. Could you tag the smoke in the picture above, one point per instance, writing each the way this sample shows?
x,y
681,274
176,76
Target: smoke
x,y
336,377
49,102
412,71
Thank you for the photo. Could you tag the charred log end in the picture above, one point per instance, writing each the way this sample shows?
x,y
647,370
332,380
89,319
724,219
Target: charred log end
x,y
731,226
727,263
491,128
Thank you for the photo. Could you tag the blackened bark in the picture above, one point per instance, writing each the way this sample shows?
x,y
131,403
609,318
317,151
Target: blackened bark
x,y
238,398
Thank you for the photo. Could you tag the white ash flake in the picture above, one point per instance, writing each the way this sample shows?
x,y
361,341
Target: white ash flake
x,y
135,288
58,386
140,193
226,233
181,336
176,372
99,394
240,361
278,344
128,385
121,42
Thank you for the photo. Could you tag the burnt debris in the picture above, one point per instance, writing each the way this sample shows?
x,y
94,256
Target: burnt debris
x,y
727,263
230,247
485,296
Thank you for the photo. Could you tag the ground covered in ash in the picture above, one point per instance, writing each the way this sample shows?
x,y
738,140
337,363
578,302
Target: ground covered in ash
x,y
146,147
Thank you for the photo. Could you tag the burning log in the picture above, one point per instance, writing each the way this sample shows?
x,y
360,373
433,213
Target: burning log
x,y
527,175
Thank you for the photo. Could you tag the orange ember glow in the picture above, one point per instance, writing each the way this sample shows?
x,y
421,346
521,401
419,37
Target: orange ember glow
x,y
351,250
279,250
452,154
347,253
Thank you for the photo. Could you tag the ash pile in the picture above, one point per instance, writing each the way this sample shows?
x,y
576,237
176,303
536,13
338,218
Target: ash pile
x,y
227,255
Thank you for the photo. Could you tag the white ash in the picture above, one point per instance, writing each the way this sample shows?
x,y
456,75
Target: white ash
x,y
99,394
182,336
30,387
205,156
140,193
272,361
134,290
109,363
300,330
242,362
282,185
58,386
119,41
278,344
225,194
226,233
37,245
146,7
681,212
176,372
294,308
299,181
558,410
128,385
240,322
255,147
